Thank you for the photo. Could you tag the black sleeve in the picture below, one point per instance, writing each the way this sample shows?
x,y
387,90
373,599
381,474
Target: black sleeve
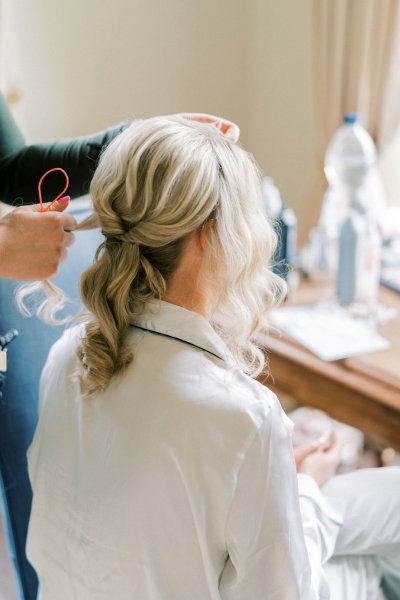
x,y
22,166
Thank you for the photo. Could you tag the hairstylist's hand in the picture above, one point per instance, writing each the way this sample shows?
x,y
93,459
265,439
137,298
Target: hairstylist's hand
x,y
33,243
318,459
231,130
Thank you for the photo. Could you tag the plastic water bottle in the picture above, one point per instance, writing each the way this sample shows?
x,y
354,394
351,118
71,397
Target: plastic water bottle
x,y
351,152
347,212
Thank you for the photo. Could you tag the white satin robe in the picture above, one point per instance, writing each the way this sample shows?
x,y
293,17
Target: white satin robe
x,y
176,483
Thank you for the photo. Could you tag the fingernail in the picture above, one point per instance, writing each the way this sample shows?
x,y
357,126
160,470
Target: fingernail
x,y
64,200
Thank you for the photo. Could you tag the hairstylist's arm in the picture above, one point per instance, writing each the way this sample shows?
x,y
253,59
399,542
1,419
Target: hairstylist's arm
x,y
33,243
22,164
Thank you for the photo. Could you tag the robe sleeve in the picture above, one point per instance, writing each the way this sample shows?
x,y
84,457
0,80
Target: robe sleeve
x,y
275,538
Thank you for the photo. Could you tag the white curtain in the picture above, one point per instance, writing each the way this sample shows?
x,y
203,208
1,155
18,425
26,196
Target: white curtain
x,y
356,53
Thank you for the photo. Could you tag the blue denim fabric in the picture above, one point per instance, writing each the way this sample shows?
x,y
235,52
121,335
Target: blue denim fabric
x,y
19,399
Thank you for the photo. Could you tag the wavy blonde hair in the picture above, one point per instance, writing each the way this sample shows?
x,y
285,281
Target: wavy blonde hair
x,y
156,185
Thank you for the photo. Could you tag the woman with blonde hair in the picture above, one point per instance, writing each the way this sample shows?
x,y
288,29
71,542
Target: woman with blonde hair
x,y
161,469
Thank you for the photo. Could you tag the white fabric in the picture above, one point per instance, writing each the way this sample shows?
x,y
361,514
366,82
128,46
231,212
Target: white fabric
x,y
353,578
176,483
368,544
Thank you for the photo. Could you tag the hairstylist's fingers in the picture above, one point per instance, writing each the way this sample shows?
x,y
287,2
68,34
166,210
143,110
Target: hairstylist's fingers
x,y
64,254
69,239
68,222
59,205
228,128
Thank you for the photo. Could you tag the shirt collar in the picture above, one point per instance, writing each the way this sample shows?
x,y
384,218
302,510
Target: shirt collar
x,y
179,323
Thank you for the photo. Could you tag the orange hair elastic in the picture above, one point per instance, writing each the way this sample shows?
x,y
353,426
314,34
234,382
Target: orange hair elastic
x,y
59,195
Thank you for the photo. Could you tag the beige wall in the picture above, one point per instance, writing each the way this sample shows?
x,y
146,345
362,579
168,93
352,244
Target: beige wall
x,y
281,126
83,64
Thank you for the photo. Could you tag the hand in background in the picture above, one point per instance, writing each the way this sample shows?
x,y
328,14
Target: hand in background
x,y
33,243
319,459
228,128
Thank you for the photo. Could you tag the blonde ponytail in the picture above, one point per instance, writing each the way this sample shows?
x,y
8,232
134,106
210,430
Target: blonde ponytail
x,y
115,291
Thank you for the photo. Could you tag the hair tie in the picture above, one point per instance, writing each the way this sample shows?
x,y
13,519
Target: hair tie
x,y
59,195
121,239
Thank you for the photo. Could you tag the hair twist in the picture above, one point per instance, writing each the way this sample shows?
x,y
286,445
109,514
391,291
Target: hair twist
x,y
130,237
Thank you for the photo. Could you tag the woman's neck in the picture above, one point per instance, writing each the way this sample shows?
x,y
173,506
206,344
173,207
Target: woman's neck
x,y
191,299
190,286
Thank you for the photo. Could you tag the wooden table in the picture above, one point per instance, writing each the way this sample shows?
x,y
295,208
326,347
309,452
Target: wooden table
x,y
363,391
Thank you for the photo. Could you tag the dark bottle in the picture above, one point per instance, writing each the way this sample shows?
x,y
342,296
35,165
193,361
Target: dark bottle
x,y
284,222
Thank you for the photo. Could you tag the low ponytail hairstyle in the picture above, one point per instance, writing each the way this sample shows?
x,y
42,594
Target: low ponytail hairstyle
x,y
156,185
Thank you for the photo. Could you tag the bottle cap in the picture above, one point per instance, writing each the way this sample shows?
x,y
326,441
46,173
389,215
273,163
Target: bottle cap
x,y
351,118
